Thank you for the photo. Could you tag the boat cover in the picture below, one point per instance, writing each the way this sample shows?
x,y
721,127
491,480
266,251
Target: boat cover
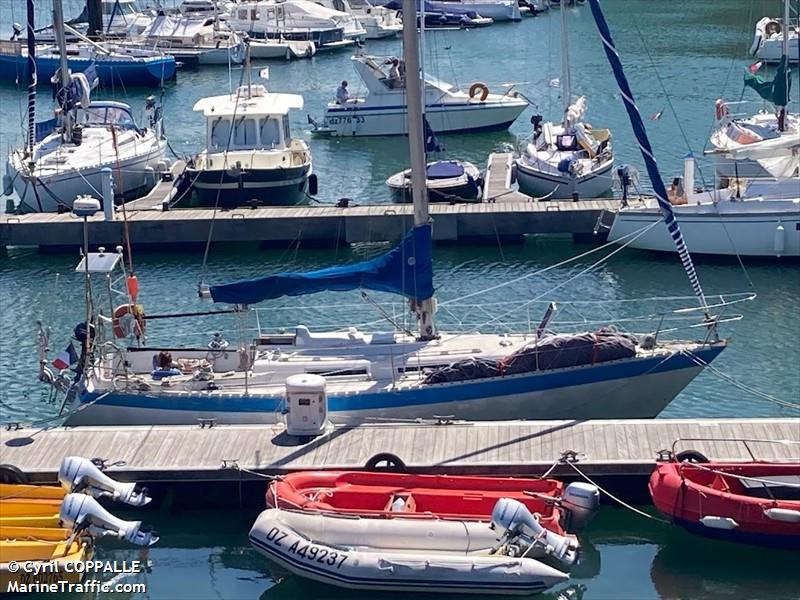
x,y
553,352
407,269
444,169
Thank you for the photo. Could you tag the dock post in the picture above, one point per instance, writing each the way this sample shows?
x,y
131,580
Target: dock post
x,y
108,194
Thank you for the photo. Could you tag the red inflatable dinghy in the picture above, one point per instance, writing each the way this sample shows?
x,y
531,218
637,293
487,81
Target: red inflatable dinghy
x,y
754,503
385,494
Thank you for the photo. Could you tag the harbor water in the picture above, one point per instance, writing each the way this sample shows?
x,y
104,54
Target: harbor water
x,y
680,56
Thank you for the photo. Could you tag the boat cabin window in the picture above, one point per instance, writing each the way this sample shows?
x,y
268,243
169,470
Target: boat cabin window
x,y
220,132
117,8
270,132
287,132
244,133
106,115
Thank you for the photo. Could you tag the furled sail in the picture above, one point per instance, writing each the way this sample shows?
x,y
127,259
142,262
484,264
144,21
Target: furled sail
x,y
647,151
407,269
774,90
32,79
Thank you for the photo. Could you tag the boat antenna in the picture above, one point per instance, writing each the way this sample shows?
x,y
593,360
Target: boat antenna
x,y
58,25
647,154
416,144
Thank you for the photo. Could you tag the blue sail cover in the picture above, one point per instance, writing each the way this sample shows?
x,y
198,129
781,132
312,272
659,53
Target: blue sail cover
x,y
407,269
647,151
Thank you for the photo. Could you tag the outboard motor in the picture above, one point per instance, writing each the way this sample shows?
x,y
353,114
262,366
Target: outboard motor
x,y
519,529
81,475
84,513
580,503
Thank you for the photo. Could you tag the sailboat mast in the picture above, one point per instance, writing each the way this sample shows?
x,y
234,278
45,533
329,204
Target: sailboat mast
x,y
785,62
416,144
565,84
32,78
58,26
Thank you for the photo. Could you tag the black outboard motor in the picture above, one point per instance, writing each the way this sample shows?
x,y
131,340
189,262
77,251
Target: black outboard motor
x,y
536,121
624,174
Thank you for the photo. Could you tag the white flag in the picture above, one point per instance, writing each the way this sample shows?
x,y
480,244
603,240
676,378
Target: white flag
x,y
264,73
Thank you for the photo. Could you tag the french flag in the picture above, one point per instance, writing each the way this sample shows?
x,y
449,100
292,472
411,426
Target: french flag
x,y
754,68
66,359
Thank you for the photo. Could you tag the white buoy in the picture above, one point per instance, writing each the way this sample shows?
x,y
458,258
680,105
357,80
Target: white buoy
x,y
786,515
108,194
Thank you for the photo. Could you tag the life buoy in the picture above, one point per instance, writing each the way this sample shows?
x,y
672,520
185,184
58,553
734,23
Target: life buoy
x,y
135,310
721,109
478,87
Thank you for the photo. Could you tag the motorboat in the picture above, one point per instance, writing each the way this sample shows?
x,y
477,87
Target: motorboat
x,y
748,218
250,154
378,21
295,20
410,554
270,49
434,497
497,10
768,40
754,502
73,155
381,111
567,160
453,16
191,41
447,181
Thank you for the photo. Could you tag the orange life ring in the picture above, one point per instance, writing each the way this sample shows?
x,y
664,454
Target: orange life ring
x,y
137,310
478,87
720,109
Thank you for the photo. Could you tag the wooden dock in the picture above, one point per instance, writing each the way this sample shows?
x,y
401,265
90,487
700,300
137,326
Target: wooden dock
x,y
619,454
504,215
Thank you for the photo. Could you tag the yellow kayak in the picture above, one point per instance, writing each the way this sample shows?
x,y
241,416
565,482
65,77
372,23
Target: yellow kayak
x,y
45,520
50,553
18,491
48,534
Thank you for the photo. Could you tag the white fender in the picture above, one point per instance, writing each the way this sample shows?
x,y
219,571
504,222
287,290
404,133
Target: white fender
x,y
274,535
719,523
786,515
779,242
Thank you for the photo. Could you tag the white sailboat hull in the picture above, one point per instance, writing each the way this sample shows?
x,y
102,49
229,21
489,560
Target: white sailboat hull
x,y
552,186
728,230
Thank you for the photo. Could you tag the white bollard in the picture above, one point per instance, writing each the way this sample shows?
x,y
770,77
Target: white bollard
x,y
688,174
108,194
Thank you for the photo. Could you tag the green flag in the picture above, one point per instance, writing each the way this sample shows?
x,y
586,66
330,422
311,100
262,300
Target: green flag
x,y
775,90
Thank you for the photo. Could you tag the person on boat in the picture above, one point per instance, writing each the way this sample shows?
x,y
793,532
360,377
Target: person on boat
x,y
342,95
395,76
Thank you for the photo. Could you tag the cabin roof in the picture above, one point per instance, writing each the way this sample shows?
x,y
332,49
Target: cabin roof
x,y
261,102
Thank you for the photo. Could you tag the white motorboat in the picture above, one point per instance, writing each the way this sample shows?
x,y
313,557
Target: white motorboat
x,y
758,217
120,18
497,10
250,154
567,160
446,181
382,110
268,49
205,41
69,157
296,20
403,554
378,21
768,40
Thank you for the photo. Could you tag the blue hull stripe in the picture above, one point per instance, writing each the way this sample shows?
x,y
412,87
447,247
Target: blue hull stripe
x,y
401,109
309,567
426,394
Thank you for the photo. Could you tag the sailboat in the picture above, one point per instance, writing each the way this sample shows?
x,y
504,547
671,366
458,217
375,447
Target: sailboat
x,y
65,158
360,376
566,160
765,132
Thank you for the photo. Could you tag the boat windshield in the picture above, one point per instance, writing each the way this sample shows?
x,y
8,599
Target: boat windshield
x,y
101,116
119,7
248,133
